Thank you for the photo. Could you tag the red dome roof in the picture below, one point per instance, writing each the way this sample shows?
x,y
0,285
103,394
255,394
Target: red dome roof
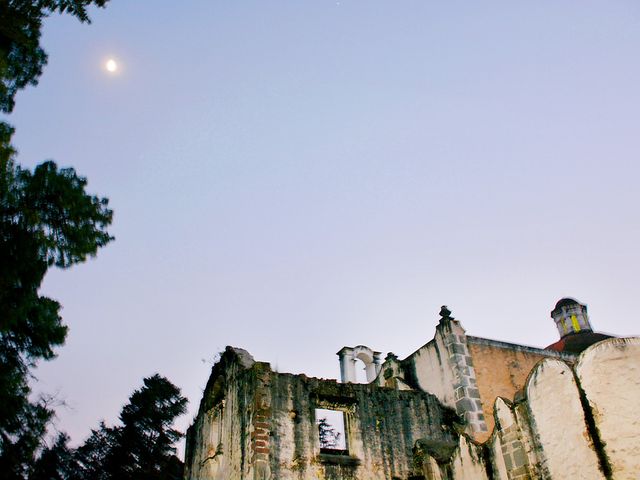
x,y
577,342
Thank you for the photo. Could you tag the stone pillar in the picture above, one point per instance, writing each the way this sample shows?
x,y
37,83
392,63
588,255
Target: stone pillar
x,y
467,395
347,365
371,372
261,426
377,362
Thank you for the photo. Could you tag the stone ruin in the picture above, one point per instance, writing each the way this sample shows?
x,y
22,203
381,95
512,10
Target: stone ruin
x,y
458,408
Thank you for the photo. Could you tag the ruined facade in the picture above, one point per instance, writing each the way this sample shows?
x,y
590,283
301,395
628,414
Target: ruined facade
x,y
458,408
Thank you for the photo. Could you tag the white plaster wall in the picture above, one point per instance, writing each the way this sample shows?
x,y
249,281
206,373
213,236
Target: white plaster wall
x,y
503,414
609,373
466,463
433,372
559,424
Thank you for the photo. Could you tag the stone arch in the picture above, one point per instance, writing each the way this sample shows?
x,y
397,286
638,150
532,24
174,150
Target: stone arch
x,y
348,358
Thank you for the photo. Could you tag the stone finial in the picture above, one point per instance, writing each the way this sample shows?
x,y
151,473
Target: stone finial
x,y
445,313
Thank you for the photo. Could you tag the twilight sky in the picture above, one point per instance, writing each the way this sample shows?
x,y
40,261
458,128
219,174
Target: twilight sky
x,y
294,176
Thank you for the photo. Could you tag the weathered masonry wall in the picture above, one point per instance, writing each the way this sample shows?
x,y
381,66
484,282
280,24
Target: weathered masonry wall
x,y
429,369
566,451
221,442
580,422
445,368
468,373
501,370
257,424
609,374
573,420
382,427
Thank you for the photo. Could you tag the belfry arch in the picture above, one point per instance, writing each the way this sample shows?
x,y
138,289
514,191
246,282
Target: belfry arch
x,y
348,358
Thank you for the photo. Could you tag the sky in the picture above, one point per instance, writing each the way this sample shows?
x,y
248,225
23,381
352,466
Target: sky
x,y
295,176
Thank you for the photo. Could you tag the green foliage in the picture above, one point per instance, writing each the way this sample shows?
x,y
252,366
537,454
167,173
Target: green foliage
x,y
94,459
55,462
21,56
46,219
148,417
22,426
142,448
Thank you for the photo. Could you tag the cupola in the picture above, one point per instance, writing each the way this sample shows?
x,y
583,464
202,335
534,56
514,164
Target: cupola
x,y
570,317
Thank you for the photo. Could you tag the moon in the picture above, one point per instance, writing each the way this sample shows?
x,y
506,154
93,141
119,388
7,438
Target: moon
x,y
111,66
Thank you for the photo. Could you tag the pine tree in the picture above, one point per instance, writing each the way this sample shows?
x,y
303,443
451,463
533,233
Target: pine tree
x,y
329,437
143,447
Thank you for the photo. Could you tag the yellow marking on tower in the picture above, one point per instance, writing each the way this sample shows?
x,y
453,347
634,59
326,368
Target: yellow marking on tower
x,y
574,321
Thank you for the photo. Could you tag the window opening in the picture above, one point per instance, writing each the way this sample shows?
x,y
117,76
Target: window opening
x,y
331,431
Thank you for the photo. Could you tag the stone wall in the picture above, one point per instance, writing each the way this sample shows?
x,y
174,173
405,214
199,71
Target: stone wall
x,y
574,418
382,427
609,374
219,442
255,424
559,424
445,368
580,422
501,370
569,421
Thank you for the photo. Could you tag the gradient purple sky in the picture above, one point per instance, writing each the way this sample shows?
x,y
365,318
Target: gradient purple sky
x,y
293,176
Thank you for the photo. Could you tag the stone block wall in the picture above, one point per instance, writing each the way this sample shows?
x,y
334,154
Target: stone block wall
x,y
445,368
269,430
219,442
382,426
571,421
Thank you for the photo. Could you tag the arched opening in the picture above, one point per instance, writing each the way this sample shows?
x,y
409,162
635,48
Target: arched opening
x,y
359,364
361,371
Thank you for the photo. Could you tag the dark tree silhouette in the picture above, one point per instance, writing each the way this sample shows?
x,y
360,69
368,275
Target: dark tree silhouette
x,y
142,448
46,219
21,56
55,462
329,437
91,458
